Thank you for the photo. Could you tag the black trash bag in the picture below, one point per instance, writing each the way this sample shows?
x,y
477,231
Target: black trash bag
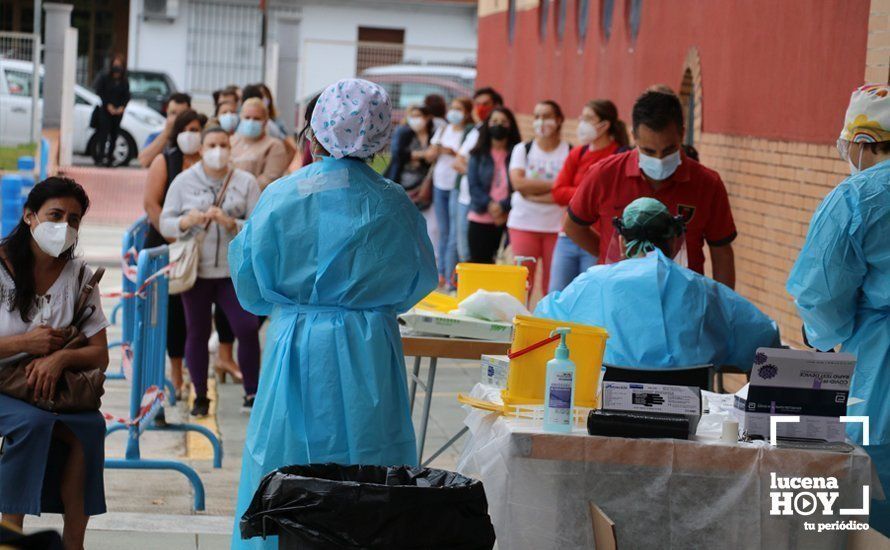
x,y
324,506
41,540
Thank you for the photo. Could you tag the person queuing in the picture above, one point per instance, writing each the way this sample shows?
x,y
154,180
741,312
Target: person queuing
x,y
409,163
51,462
183,150
535,221
446,142
274,126
657,168
189,209
253,150
333,385
113,88
484,101
490,187
839,281
437,108
177,104
600,134
636,301
228,94
226,115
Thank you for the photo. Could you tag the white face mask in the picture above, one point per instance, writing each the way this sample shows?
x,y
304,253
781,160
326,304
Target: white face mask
x,y
189,142
216,158
660,169
589,132
416,123
54,238
855,168
544,126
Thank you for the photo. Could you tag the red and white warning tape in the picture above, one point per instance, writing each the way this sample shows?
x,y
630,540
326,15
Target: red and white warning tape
x,y
128,268
140,292
151,403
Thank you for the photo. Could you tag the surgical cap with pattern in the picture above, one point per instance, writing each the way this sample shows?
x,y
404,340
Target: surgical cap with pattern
x,y
353,118
868,115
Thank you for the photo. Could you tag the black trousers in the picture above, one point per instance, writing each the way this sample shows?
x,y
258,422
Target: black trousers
x,y
223,328
176,328
484,240
106,135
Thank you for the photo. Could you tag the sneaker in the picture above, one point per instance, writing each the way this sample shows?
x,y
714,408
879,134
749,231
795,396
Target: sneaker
x,y
201,407
247,406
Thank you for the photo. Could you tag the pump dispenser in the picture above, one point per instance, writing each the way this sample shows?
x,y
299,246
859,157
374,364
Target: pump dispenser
x,y
559,394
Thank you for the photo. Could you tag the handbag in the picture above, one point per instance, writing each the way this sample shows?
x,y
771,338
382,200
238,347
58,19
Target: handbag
x,y
76,391
94,117
185,254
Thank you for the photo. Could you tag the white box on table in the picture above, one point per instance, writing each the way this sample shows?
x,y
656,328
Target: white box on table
x,y
458,326
812,385
495,369
658,398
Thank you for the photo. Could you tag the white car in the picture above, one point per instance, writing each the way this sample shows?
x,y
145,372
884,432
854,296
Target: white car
x,y
139,122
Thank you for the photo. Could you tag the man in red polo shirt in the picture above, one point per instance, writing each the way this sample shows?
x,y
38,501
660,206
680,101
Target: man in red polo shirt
x,y
657,168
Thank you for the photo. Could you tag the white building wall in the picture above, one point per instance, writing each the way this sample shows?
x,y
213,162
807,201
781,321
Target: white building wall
x,y
159,45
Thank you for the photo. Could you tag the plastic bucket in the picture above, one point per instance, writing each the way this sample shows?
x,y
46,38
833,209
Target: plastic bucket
x,y
527,376
512,279
436,301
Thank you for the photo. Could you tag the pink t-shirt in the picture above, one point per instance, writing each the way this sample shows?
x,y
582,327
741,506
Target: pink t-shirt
x,y
499,189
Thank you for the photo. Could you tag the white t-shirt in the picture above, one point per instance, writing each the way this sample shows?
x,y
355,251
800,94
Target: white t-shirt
x,y
538,164
444,175
464,151
55,308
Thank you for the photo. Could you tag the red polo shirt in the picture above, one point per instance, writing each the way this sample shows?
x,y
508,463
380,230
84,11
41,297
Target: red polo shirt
x,y
693,191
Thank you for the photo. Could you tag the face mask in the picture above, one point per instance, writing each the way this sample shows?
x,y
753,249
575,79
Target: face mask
x,y
588,133
54,238
416,123
659,169
498,131
454,116
544,127
188,142
228,122
483,111
216,158
250,128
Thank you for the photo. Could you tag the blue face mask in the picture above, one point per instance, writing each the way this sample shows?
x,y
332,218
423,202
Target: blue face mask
x,y
250,128
228,121
454,116
659,169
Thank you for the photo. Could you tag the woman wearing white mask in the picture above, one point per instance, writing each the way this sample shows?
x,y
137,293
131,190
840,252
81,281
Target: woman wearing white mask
x,y
600,134
51,462
253,150
189,210
535,221
181,152
446,142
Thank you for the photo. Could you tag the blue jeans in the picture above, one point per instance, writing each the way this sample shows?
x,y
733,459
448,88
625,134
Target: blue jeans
x,y
445,208
569,261
463,243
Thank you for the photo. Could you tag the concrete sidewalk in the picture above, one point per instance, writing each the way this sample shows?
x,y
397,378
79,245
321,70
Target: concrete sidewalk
x,y
153,509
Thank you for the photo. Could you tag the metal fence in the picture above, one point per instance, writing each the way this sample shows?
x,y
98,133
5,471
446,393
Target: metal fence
x,y
25,89
224,43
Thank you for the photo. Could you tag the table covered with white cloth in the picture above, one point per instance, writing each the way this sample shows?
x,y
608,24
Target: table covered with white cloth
x,y
661,493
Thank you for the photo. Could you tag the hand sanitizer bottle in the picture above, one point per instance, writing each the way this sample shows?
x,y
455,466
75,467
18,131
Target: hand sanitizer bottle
x,y
559,394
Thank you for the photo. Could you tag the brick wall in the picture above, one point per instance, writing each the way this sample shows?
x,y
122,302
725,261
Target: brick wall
x,y
774,188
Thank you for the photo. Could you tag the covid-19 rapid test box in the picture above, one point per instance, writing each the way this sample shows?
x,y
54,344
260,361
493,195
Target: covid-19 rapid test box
x,y
812,385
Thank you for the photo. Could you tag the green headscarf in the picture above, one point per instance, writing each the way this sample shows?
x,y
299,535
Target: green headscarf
x,y
646,222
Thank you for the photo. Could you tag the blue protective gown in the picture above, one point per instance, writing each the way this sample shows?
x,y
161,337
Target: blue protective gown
x,y
841,285
332,253
660,315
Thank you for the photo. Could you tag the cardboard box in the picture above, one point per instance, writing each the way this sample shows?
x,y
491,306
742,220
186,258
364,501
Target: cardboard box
x,y
812,385
458,326
657,398
495,369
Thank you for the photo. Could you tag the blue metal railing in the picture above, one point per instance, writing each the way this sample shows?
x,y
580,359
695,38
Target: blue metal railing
x,y
149,346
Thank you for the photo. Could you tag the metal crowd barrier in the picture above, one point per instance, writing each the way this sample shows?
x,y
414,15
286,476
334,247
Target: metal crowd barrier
x,y
149,359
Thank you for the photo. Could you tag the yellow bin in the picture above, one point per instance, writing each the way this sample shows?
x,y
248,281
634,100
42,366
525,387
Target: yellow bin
x,y
511,279
526,380
436,301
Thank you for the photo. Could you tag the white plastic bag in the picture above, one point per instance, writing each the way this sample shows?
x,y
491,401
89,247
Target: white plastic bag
x,y
492,306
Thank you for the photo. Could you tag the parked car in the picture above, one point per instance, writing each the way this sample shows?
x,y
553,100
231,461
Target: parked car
x,y
408,84
138,123
151,88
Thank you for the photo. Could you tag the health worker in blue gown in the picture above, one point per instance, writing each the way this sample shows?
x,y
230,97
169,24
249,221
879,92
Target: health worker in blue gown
x,y
659,314
332,253
841,280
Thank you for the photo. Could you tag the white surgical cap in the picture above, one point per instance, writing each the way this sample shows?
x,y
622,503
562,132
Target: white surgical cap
x,y
353,118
